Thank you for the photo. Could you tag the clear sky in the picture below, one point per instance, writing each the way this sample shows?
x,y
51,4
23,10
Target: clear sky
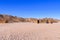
x,y
31,8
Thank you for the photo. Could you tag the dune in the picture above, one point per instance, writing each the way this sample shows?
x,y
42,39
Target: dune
x,y
29,31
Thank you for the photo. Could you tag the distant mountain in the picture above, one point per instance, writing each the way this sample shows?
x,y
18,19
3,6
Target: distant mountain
x,y
12,19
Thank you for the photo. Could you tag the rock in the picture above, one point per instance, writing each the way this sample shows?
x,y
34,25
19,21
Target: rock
x,y
33,20
12,19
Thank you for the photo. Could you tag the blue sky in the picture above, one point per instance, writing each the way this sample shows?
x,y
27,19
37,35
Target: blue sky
x,y
31,8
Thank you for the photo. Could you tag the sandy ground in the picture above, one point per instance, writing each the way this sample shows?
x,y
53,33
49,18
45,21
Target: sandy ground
x,y
29,31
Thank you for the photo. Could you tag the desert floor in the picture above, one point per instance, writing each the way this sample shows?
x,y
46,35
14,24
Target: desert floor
x,y
29,31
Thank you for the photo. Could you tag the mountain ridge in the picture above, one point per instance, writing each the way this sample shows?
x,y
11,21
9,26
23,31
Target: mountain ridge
x,y
4,18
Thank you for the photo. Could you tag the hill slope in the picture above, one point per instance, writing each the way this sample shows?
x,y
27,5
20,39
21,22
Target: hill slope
x,y
11,19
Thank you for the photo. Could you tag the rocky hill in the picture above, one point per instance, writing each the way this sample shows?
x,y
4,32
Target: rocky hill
x,y
12,19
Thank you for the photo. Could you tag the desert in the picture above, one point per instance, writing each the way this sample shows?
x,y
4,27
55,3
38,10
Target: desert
x,y
29,31
29,19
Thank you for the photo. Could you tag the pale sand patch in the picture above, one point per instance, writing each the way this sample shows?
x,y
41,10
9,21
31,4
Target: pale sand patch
x,y
29,31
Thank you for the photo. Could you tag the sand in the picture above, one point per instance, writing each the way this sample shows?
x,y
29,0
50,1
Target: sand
x,y
29,31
